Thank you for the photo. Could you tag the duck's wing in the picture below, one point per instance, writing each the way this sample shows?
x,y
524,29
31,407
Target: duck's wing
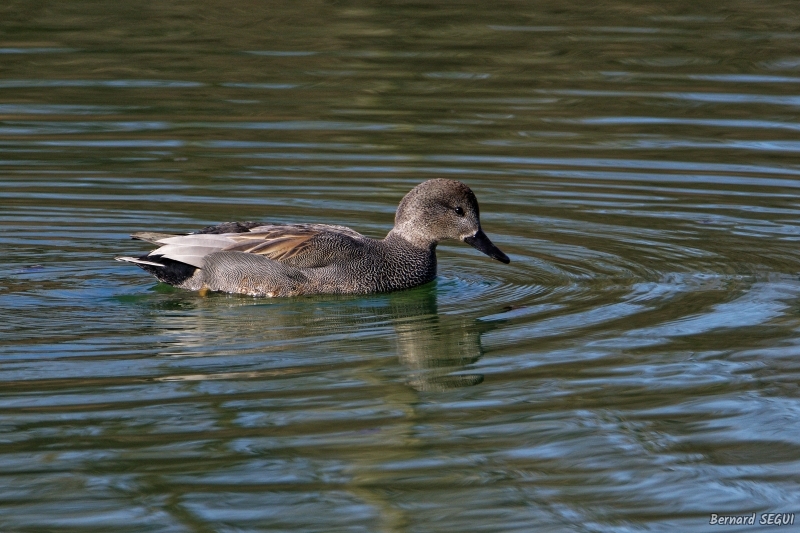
x,y
298,245
188,249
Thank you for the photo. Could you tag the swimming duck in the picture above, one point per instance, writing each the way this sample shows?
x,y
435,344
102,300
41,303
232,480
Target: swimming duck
x,y
263,259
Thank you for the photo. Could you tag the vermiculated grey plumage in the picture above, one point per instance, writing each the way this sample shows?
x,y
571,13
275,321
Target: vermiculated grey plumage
x,y
293,259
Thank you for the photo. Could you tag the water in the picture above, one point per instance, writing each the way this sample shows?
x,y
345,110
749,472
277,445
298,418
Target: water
x,y
635,367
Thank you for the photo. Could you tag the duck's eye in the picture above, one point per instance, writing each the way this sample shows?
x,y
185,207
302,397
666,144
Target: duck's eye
x,y
459,211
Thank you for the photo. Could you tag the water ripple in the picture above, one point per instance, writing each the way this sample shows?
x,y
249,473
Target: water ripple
x,y
633,368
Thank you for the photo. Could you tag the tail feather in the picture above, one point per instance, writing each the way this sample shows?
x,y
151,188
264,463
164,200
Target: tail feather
x,y
165,270
137,261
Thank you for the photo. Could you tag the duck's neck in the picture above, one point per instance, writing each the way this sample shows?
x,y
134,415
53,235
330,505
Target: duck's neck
x,y
416,261
405,239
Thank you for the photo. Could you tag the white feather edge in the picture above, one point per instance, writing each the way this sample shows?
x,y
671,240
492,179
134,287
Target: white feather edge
x,y
189,249
137,261
190,254
218,241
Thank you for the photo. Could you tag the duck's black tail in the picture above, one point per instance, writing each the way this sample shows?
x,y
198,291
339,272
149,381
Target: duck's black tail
x,y
165,270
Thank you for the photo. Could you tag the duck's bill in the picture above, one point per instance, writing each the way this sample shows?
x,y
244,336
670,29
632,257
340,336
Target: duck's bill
x,y
481,242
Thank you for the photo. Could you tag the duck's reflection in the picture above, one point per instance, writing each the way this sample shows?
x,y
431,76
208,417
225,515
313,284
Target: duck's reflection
x,y
434,348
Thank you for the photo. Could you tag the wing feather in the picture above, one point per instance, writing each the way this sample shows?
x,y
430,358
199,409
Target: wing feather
x,y
302,245
191,255
151,237
276,245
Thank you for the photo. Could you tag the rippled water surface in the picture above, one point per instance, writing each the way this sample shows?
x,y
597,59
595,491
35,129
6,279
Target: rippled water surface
x,y
634,368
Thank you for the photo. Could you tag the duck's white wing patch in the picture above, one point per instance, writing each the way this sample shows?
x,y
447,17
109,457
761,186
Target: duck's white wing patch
x,y
220,241
191,249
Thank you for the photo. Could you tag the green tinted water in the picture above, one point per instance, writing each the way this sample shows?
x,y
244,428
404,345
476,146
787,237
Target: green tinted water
x,y
635,367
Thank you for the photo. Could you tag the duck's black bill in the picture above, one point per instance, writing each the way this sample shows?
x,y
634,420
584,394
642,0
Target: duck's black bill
x,y
481,242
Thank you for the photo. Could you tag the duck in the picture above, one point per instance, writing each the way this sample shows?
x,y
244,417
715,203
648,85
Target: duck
x,y
286,260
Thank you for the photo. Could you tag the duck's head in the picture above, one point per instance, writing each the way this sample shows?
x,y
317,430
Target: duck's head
x,y
442,209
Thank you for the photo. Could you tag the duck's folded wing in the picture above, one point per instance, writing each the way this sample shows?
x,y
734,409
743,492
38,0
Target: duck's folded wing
x,y
188,249
299,245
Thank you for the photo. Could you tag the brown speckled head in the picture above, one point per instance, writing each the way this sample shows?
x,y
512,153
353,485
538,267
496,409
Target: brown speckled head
x,y
442,209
